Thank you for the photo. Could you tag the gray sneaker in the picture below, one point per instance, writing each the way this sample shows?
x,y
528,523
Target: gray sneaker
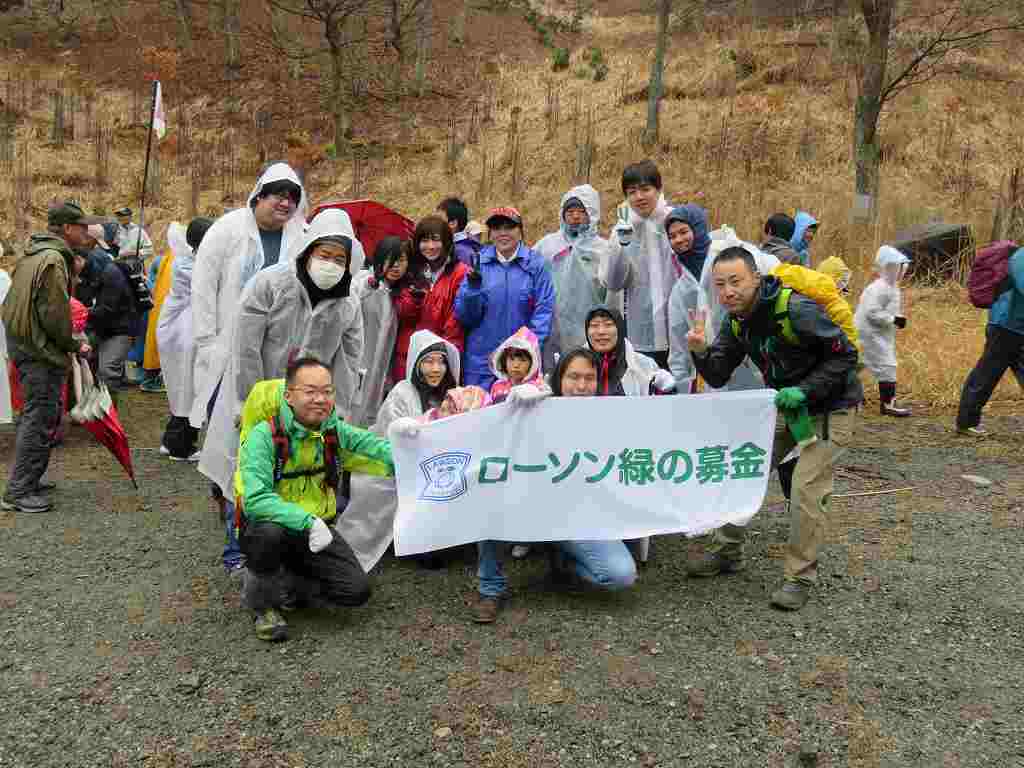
x,y
791,596
713,563
29,503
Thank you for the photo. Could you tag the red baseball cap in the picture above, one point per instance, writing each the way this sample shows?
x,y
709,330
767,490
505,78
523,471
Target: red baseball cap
x,y
505,212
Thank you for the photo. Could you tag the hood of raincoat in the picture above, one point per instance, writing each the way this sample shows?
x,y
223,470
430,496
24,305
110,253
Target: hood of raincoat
x,y
330,223
523,339
837,269
621,354
591,200
803,221
281,172
696,218
423,340
891,264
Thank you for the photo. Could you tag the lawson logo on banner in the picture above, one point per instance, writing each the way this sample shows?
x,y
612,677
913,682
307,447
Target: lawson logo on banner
x,y
584,468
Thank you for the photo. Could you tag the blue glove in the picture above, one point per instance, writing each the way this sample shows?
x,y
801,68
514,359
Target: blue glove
x,y
790,398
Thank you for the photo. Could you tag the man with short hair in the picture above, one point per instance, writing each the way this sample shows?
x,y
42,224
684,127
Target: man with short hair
x,y
132,240
778,231
454,211
37,319
813,365
293,450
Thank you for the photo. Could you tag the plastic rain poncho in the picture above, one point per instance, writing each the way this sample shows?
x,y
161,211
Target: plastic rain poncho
x,y
174,336
578,266
879,305
523,339
230,254
368,522
746,376
380,330
128,242
6,413
646,272
276,323
803,221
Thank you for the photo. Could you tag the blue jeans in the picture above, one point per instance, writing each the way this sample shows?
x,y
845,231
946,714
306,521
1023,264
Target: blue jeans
x,y
604,564
233,557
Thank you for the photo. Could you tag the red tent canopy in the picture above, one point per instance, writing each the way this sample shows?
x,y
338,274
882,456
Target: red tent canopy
x,y
372,222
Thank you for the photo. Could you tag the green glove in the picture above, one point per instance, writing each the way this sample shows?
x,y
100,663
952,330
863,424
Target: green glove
x,y
801,425
790,398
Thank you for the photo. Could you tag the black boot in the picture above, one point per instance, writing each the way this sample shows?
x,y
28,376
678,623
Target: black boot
x,y
887,396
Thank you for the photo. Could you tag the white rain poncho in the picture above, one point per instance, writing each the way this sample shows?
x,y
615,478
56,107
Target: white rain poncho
x,y
6,413
578,267
380,330
646,271
174,337
230,254
368,522
128,241
879,305
275,324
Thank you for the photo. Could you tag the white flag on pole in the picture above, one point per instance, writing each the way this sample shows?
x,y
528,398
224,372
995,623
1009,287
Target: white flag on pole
x,y
159,121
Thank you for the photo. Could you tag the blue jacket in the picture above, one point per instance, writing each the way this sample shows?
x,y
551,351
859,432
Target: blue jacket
x,y
803,222
1008,310
510,296
466,251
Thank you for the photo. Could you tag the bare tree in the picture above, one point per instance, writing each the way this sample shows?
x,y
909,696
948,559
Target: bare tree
x,y
184,9
403,14
908,45
654,87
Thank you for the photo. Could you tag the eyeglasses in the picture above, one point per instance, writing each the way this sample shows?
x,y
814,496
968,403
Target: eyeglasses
x,y
315,393
291,197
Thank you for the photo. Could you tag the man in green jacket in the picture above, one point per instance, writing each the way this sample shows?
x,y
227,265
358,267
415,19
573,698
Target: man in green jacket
x,y
286,496
37,319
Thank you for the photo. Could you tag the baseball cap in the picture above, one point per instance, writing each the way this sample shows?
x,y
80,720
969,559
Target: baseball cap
x,y
505,212
70,212
126,211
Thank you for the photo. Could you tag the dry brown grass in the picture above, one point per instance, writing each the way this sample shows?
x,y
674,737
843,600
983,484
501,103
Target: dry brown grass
x,y
743,146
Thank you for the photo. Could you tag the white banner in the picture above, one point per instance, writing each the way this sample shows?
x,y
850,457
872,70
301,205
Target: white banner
x,y
584,468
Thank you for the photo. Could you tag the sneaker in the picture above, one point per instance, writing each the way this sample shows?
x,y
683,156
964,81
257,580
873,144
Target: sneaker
x,y
520,551
193,458
164,450
891,409
486,610
42,487
713,563
154,384
791,596
271,626
30,503
978,431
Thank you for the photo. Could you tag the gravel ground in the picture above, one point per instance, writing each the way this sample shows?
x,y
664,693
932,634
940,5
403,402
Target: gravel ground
x,y
122,643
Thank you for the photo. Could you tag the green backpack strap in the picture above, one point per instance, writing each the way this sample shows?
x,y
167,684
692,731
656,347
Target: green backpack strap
x,y
785,325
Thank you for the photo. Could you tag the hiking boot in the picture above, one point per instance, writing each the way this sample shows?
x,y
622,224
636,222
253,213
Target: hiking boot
x,y
271,626
154,384
978,431
713,563
29,503
486,610
520,551
193,458
891,409
42,487
791,596
164,450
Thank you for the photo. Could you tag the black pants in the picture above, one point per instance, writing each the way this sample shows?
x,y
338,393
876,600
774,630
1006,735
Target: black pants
x,y
1003,349
180,437
269,547
41,383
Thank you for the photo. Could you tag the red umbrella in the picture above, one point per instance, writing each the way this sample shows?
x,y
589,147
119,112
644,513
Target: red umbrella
x,y
372,222
97,413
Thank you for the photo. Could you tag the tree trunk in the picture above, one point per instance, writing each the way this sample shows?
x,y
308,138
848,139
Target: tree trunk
x,y
399,46
424,19
338,110
654,87
184,22
867,148
233,56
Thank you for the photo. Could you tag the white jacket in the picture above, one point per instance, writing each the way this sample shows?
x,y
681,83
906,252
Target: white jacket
x,y
276,323
369,520
879,305
380,330
230,254
174,336
646,270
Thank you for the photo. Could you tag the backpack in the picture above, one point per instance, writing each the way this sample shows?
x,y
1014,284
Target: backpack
x,y
132,269
990,273
331,468
816,286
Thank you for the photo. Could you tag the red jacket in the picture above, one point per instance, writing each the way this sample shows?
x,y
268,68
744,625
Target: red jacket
x,y
439,306
409,309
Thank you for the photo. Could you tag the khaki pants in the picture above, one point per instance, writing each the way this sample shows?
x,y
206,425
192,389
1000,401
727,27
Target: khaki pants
x,y
809,500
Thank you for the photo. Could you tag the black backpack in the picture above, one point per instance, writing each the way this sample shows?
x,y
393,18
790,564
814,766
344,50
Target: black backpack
x,y
135,274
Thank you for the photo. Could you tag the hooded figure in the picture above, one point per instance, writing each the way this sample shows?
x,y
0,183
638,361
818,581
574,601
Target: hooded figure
x,y
230,254
286,314
879,313
577,258
525,340
836,268
804,222
645,270
622,370
369,519
696,218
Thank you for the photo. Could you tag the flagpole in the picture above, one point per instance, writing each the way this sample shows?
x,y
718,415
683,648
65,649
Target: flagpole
x,y
145,173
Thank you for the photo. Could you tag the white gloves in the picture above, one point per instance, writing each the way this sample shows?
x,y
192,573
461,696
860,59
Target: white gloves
x,y
664,381
526,394
623,229
406,427
319,535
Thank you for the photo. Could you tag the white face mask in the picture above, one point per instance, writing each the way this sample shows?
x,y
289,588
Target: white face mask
x,y
325,274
